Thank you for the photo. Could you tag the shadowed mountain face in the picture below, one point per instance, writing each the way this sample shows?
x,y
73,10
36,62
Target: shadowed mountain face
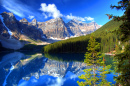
x,y
8,21
12,30
18,27
55,28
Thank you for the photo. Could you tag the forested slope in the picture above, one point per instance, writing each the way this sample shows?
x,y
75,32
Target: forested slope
x,y
103,35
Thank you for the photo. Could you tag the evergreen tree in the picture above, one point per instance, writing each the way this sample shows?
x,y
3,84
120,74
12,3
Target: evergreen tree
x,y
94,58
122,64
123,59
103,71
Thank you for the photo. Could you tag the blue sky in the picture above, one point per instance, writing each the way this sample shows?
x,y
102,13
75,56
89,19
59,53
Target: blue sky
x,y
43,10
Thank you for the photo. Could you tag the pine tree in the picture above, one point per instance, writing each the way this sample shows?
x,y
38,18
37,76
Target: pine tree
x,y
122,63
123,59
124,30
103,71
94,58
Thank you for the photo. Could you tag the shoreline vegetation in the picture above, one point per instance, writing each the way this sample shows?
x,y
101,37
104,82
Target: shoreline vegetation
x,y
104,35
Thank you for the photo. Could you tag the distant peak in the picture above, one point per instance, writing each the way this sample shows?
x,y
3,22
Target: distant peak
x,y
93,22
59,18
34,20
5,12
55,20
23,20
8,13
75,21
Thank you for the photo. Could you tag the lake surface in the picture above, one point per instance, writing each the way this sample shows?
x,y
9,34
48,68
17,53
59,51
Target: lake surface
x,y
36,69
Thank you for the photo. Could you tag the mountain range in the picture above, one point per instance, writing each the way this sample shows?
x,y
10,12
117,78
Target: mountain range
x,y
11,28
55,28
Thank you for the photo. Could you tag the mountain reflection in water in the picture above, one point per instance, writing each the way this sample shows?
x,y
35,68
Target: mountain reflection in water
x,y
25,69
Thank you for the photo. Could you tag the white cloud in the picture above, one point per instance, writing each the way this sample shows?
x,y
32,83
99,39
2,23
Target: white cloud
x,y
79,18
14,11
22,10
89,18
30,17
51,10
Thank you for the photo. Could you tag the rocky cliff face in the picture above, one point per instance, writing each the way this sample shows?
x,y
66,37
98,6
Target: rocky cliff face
x,y
18,27
79,28
30,29
9,22
74,27
34,22
54,28
57,28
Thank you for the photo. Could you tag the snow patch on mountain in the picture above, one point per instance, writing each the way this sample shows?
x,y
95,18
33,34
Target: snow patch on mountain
x,y
83,30
2,19
53,38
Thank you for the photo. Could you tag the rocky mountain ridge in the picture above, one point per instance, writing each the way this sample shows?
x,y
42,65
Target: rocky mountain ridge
x,y
18,27
57,28
54,28
79,28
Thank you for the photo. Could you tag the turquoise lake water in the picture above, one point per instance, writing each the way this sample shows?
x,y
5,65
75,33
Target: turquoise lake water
x,y
36,69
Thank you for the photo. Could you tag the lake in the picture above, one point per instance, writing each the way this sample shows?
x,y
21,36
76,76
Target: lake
x,y
36,69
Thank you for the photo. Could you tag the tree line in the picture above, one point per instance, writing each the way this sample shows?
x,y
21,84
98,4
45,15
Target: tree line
x,y
104,35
